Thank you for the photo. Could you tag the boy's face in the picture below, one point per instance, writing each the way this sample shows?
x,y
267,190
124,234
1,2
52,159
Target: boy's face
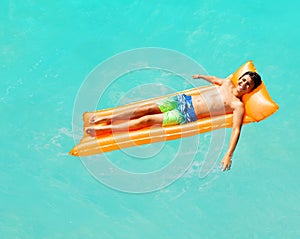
x,y
245,85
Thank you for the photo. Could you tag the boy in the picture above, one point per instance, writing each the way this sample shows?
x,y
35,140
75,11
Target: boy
x,y
180,109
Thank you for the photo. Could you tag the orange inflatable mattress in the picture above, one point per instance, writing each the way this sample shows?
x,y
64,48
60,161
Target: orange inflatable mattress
x,y
258,106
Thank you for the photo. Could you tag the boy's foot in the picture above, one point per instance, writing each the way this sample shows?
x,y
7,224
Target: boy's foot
x,y
96,120
97,130
91,132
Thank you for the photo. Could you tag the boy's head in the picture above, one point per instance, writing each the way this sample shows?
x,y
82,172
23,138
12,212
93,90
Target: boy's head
x,y
248,82
255,77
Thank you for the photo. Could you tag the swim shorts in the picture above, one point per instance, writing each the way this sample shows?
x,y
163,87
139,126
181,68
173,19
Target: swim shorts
x,y
177,110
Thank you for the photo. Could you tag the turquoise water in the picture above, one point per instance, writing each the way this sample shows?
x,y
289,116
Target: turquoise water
x,y
48,49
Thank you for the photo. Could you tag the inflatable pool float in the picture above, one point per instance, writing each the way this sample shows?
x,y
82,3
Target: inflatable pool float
x,y
258,106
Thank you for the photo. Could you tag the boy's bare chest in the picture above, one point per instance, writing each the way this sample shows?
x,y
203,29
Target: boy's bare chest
x,y
214,102
227,96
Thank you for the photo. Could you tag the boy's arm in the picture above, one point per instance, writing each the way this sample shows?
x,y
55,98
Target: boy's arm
x,y
211,79
238,114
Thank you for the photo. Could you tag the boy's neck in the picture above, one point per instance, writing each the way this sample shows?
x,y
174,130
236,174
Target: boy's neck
x,y
237,94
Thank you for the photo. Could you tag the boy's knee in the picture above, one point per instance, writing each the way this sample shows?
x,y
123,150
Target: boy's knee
x,y
149,120
145,120
153,109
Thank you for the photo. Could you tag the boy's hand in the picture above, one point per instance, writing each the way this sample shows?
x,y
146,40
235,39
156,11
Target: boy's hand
x,y
226,163
196,76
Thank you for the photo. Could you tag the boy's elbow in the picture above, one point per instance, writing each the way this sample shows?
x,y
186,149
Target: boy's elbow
x,y
237,130
217,81
213,79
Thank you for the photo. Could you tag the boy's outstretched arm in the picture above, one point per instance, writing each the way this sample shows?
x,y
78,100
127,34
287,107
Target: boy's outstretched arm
x,y
238,114
211,79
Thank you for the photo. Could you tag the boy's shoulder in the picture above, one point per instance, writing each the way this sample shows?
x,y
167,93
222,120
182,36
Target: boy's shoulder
x,y
228,81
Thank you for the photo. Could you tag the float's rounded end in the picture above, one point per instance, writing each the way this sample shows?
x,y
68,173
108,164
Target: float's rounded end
x,y
74,152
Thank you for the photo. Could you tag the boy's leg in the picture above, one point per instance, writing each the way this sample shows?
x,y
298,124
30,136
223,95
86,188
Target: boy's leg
x,y
127,114
134,124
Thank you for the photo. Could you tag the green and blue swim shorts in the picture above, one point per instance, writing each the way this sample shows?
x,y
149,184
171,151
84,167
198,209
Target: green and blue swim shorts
x,y
177,110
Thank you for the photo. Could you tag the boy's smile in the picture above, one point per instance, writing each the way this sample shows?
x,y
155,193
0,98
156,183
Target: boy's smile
x,y
245,85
